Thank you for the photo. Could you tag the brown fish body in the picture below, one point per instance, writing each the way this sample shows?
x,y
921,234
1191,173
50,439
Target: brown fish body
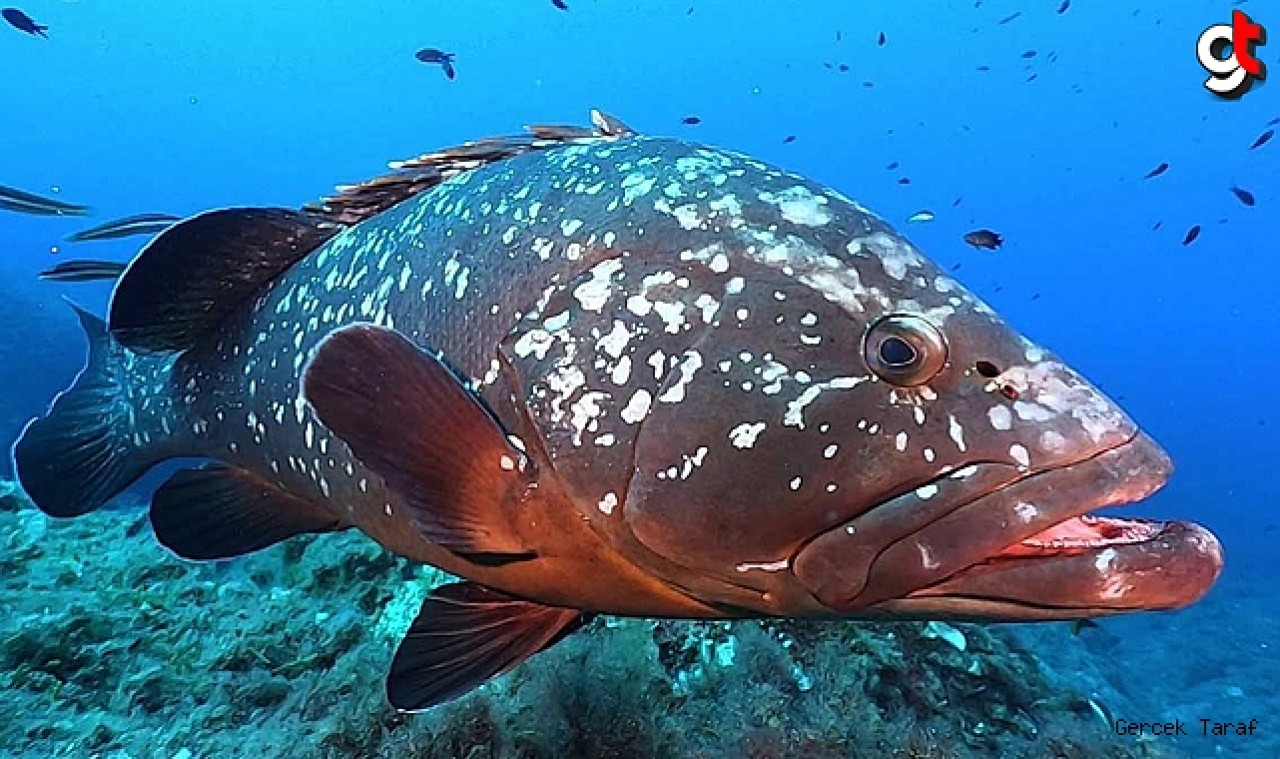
x,y
984,238
611,374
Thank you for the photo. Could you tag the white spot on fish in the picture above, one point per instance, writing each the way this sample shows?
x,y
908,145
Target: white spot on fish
x,y
956,431
1025,511
689,366
1001,418
744,435
799,206
593,293
615,343
900,441
637,407
622,372
925,492
764,566
1019,454
608,503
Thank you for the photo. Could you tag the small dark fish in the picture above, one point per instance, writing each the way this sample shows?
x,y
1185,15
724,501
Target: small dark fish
x,y
1008,18
1157,171
984,238
984,68
23,23
12,199
1263,139
561,4
904,180
691,120
83,270
788,139
839,35
892,165
1066,5
143,224
1157,225
1035,297
1029,54
955,266
957,202
432,55
1192,234
844,67
1083,624
1244,195
881,40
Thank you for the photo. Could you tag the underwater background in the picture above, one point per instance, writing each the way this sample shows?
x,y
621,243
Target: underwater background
x,y
1036,119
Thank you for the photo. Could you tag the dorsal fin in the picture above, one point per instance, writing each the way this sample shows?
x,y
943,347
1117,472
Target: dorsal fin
x,y
355,203
196,273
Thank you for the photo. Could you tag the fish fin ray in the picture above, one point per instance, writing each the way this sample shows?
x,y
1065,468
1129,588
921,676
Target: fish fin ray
x,y
83,452
355,203
221,511
466,634
408,418
195,274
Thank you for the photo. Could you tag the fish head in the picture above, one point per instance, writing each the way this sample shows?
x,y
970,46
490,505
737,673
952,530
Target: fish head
x,y
861,436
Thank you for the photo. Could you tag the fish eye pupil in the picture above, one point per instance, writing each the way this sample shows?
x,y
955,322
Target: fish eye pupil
x,y
904,349
896,352
988,369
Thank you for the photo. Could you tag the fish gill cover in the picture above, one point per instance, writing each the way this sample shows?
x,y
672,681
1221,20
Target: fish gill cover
x,y
637,412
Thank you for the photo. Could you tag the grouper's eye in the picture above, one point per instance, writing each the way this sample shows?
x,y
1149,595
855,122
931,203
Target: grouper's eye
x,y
905,349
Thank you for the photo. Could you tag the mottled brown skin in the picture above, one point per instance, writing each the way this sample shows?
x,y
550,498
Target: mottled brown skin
x,y
689,348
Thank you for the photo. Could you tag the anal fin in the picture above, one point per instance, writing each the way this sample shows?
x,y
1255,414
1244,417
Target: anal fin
x,y
409,418
221,511
466,634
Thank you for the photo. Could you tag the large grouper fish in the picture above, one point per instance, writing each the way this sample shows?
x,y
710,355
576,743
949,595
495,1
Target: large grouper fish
x,y
593,372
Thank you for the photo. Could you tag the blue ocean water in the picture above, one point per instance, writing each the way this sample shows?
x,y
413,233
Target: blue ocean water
x,y
179,106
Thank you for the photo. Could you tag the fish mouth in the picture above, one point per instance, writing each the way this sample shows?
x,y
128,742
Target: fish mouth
x,y
1028,547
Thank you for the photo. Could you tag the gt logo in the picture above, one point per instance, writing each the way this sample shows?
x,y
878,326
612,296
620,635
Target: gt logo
x,y
1234,73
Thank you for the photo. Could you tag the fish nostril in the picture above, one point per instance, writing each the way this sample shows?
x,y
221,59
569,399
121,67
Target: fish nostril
x,y
1009,391
987,369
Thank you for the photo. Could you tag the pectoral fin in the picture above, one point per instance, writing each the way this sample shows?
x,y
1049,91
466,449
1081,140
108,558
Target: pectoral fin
x,y
408,418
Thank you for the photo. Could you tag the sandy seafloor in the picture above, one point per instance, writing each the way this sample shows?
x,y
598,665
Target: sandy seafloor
x,y
111,647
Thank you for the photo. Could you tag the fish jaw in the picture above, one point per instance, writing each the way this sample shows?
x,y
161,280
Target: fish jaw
x,y
1026,548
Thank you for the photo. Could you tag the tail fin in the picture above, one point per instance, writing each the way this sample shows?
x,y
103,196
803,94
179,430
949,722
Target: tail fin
x,y
84,451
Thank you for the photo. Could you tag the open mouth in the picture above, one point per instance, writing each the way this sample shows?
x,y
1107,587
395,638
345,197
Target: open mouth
x,y
994,546
1083,533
